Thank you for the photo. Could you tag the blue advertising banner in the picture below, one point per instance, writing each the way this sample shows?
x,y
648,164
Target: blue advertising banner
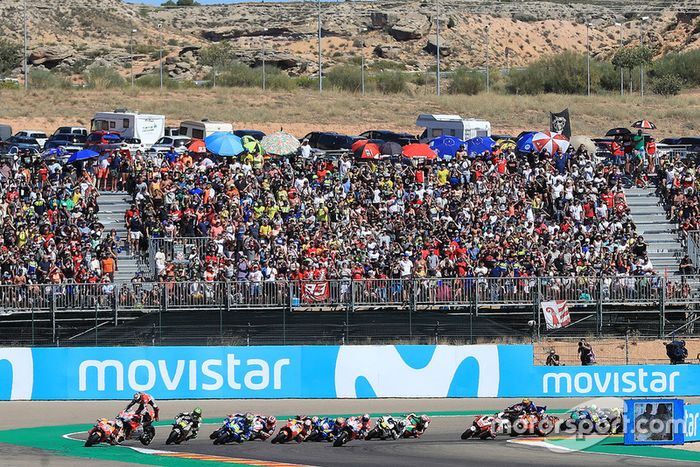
x,y
692,417
322,372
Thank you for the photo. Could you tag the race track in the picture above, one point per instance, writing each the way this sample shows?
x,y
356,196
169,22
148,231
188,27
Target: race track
x,y
440,446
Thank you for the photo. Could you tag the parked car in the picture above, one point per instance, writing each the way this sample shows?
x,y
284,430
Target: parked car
x,y
28,155
39,136
179,143
22,143
5,132
71,130
330,141
691,142
259,135
97,138
70,143
133,145
390,136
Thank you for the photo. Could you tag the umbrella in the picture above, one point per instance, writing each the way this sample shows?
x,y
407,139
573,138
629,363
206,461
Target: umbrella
x,y
577,141
550,141
525,143
197,146
445,146
618,132
224,144
83,155
252,145
111,137
280,143
644,125
506,144
366,150
418,151
480,144
391,149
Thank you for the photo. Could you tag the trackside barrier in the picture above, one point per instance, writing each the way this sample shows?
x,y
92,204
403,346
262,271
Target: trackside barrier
x,y
322,372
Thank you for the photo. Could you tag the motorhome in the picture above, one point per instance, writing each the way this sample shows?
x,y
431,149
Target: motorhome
x,y
147,128
203,128
451,125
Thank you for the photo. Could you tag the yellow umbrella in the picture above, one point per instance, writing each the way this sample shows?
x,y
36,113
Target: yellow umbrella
x,y
506,144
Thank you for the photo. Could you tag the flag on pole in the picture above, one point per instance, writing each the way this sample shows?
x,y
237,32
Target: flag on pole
x,y
314,292
556,314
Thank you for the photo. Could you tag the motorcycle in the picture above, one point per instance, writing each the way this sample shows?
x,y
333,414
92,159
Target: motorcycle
x,y
484,427
100,433
258,431
587,421
233,429
386,427
135,426
349,431
289,432
414,427
538,423
180,432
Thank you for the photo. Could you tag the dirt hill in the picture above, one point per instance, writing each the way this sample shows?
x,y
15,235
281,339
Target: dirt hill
x,y
71,35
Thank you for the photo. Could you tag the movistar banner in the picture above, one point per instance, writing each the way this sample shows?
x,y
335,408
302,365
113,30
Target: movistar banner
x,y
321,372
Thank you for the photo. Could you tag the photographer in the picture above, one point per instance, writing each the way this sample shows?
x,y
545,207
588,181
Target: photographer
x,y
676,351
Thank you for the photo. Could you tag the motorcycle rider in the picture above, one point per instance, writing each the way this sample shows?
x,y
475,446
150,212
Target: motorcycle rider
x,y
419,424
142,401
264,426
525,406
194,418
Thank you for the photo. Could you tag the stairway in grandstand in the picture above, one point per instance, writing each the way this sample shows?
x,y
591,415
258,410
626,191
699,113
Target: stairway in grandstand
x,y
113,205
663,247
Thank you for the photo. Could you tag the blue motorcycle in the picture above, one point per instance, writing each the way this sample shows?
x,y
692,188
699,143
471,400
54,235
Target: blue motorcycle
x,y
233,430
323,430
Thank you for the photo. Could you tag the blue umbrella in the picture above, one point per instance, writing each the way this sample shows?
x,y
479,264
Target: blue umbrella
x,y
479,145
111,137
83,155
224,144
524,143
446,146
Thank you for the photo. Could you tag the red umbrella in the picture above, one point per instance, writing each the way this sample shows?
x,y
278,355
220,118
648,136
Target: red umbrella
x,y
197,146
644,125
365,150
419,151
550,141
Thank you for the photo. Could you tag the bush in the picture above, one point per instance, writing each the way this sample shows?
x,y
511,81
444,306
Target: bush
x,y
217,55
683,65
103,77
466,82
666,85
44,79
10,56
345,78
153,81
237,75
564,73
306,82
391,82
277,79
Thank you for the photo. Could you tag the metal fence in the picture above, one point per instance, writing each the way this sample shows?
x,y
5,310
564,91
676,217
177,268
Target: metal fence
x,y
693,246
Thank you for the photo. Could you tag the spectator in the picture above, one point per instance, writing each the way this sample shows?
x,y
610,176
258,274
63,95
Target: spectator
x,y
676,352
585,352
553,358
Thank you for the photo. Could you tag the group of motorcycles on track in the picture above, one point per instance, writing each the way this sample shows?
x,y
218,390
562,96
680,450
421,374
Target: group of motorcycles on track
x,y
136,423
526,418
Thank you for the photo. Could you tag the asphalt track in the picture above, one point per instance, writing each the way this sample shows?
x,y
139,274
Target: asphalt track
x,y
440,446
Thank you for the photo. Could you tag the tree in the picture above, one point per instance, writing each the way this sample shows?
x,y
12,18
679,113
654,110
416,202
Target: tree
x,y
667,85
216,55
168,3
187,3
629,58
10,56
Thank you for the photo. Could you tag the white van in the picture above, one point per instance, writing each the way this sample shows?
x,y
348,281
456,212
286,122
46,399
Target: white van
x,y
147,128
451,125
203,128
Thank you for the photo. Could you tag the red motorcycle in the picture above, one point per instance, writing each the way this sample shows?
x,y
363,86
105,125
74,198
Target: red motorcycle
x,y
289,432
539,423
100,433
134,426
484,427
349,430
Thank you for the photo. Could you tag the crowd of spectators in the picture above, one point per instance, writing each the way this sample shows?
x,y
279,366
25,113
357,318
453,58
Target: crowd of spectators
x,y
497,215
50,230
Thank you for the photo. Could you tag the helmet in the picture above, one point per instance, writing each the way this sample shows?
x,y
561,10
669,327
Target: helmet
x,y
197,412
425,419
593,408
307,423
137,395
249,417
339,421
527,401
365,417
314,419
271,421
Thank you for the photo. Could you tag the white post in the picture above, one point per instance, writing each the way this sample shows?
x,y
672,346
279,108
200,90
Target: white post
x,y
160,55
131,52
264,77
622,72
320,62
588,59
488,57
362,65
26,40
437,44
641,65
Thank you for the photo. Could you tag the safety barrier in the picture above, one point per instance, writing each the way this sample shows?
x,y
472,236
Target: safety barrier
x,y
322,372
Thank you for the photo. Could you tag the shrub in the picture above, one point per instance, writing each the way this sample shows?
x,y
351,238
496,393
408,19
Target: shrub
x,y
667,85
683,65
391,82
153,81
277,79
44,79
237,75
345,78
217,55
563,73
306,82
466,82
10,56
103,77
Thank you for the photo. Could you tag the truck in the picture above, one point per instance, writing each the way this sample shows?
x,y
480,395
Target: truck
x,y
451,125
147,128
203,128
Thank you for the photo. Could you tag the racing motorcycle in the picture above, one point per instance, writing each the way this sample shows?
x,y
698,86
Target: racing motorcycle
x,y
386,427
180,432
258,431
415,426
135,426
289,432
350,430
323,430
538,423
233,429
587,420
100,433
486,427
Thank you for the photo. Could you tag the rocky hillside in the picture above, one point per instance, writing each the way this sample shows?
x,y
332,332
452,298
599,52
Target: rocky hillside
x,y
69,36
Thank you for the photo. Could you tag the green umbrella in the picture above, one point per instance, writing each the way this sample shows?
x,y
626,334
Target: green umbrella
x,y
252,145
280,143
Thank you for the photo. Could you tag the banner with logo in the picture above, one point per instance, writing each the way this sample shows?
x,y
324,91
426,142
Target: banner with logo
x,y
315,292
556,314
560,122
283,372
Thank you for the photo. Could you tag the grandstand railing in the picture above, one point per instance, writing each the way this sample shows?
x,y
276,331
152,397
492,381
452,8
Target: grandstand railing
x,y
693,246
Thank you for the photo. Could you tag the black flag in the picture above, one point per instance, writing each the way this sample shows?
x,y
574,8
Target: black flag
x,y
560,123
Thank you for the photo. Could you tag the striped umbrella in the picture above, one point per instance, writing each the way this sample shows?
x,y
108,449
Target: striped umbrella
x,y
644,125
280,143
550,141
